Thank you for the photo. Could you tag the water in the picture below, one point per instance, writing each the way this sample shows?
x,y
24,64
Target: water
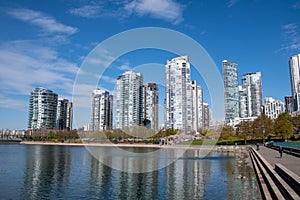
x,y
295,145
65,172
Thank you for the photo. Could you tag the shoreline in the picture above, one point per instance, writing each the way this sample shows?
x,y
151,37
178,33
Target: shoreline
x,y
230,148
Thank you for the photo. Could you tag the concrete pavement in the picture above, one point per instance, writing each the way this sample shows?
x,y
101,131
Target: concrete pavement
x,y
273,157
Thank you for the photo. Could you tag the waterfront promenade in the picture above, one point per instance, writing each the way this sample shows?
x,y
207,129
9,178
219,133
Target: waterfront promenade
x,y
272,156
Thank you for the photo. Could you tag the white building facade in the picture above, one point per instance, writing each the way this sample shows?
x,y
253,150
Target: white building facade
x,y
42,109
178,102
243,102
252,86
102,110
129,100
294,64
197,106
273,108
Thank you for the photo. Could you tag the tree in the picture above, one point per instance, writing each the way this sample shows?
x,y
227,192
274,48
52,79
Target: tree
x,y
296,124
245,129
227,132
262,126
283,126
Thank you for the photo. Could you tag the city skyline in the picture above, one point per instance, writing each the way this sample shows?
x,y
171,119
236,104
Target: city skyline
x,y
249,100
45,45
130,84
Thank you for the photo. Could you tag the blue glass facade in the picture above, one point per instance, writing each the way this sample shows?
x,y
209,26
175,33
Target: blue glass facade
x,y
231,93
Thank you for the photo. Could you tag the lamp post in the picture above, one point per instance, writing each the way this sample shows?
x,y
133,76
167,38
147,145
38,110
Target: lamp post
x,y
263,133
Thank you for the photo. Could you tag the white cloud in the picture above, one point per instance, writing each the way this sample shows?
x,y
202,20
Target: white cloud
x,y
291,35
25,65
108,79
100,57
17,104
167,10
232,3
46,23
89,11
125,68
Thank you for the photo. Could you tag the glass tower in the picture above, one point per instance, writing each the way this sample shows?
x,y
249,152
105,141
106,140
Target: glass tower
x,y
231,92
42,109
64,114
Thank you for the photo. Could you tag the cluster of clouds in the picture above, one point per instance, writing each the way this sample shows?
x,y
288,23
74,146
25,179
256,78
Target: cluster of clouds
x,y
26,64
167,10
291,35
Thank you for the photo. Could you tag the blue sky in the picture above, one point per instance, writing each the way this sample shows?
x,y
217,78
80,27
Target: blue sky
x,y
43,43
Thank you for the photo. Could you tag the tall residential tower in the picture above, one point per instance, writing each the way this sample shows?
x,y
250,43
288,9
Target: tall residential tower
x,y
294,63
151,105
178,102
252,85
129,100
102,109
197,106
64,114
231,93
42,109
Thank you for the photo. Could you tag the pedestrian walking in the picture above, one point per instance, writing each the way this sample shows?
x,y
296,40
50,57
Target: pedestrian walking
x,y
280,151
257,146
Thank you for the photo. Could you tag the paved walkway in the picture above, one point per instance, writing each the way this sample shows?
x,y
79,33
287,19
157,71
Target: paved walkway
x,y
272,156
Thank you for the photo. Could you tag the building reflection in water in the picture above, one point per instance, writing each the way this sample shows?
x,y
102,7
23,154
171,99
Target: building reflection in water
x,y
47,171
186,178
58,172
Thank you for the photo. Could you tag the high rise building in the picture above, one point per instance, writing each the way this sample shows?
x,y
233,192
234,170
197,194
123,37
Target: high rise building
x,y
102,106
178,102
151,105
129,100
194,105
231,93
64,114
243,102
294,63
197,106
273,108
69,122
42,109
206,116
251,82
289,104
200,106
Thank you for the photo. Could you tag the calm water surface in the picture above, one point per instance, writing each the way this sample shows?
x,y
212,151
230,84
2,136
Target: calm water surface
x,y
65,172
295,145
